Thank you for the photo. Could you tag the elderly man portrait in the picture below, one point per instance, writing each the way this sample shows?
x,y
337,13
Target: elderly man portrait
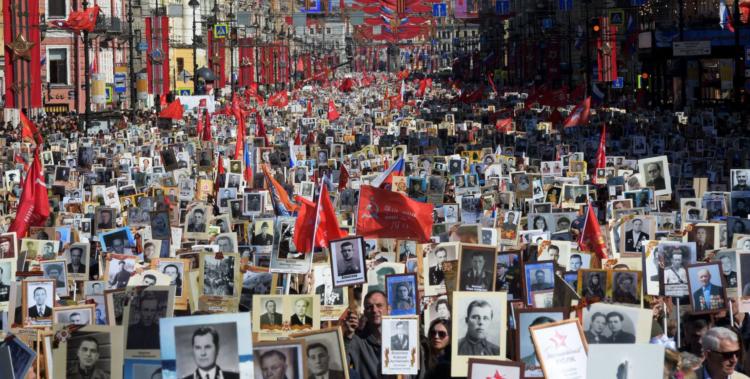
x,y
206,350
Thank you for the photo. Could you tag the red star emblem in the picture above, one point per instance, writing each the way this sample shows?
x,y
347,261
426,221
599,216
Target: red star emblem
x,y
559,340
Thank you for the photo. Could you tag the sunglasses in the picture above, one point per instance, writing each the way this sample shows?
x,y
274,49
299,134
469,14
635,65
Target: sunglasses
x,y
439,333
727,355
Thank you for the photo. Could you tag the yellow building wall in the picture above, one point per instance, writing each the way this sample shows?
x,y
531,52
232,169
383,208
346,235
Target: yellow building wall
x,y
186,54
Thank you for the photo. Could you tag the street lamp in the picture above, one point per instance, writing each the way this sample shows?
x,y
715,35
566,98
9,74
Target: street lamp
x,y
195,4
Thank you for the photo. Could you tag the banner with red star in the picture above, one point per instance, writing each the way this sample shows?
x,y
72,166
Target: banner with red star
x,y
21,40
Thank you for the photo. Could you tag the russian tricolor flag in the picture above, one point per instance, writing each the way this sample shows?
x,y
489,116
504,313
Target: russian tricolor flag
x,y
386,178
725,19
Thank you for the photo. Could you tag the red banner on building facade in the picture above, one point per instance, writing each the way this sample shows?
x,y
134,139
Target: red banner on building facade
x,y
21,40
157,37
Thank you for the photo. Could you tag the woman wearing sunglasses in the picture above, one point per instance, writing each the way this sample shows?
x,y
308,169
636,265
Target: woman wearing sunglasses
x,y
438,357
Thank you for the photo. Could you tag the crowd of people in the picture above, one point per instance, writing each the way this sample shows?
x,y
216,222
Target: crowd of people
x,y
206,206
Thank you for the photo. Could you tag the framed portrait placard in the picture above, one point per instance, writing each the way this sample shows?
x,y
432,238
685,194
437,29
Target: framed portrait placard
x,y
333,300
325,343
220,282
561,348
91,348
348,261
277,316
477,316
227,333
38,297
141,319
7,276
288,357
402,291
74,315
707,288
526,318
476,266
176,269
400,344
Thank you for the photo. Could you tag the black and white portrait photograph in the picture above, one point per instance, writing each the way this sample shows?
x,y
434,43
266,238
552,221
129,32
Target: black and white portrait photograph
x,y
348,261
7,276
433,266
90,352
118,241
656,172
400,339
636,231
592,283
706,238
227,242
38,301
740,179
728,261
626,287
55,270
301,318
175,270
119,271
285,360
476,268
77,260
207,348
325,354
479,326
160,229
142,314
253,204
197,221
74,315
707,287
610,323
573,195
271,316
674,257
263,233
104,218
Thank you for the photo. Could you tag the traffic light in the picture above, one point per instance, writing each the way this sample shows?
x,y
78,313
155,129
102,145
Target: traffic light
x,y
596,25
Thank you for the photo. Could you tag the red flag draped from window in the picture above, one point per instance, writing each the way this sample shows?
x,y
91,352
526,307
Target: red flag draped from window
x,y
387,214
33,208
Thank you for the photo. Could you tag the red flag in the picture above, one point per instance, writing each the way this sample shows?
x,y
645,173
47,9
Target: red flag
x,y
422,87
333,114
387,214
219,172
601,154
591,238
260,128
504,125
309,108
492,82
297,138
173,110
207,128
279,99
29,130
79,20
346,85
33,208
316,225
580,114
343,177
199,127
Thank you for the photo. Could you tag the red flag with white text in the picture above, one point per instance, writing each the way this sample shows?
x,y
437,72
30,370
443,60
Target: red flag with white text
x,y
580,114
388,214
